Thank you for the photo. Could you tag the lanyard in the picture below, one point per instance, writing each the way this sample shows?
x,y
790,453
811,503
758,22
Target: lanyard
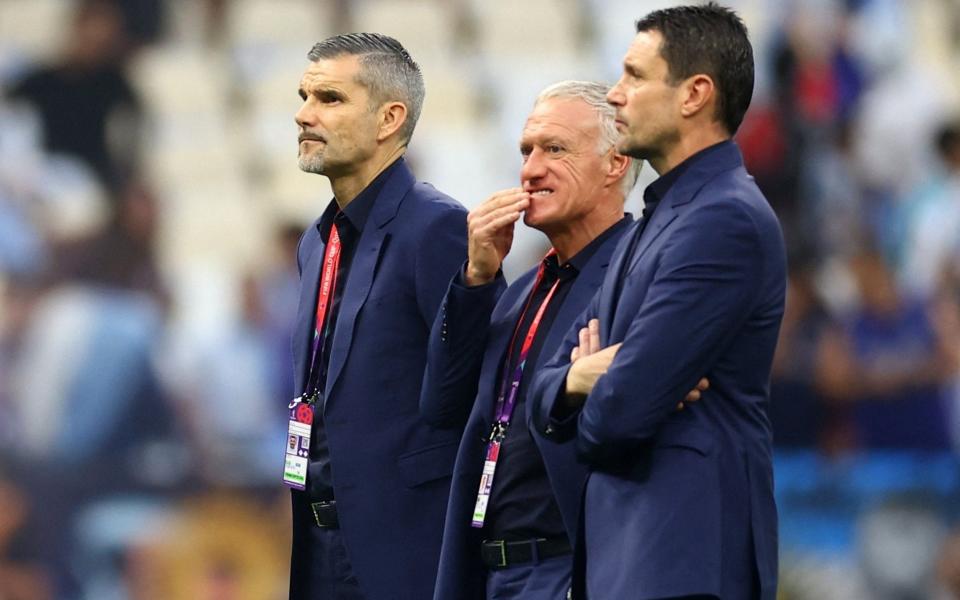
x,y
507,399
300,422
328,285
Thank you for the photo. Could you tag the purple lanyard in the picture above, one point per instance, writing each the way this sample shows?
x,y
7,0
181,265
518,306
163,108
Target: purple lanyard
x,y
507,399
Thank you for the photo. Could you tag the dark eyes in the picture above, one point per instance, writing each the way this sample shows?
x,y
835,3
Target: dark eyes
x,y
324,97
552,149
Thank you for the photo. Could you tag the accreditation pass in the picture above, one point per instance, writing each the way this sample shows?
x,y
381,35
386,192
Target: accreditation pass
x,y
298,445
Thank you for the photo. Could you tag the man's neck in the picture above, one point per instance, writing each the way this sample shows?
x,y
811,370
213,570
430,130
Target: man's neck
x,y
570,240
349,186
694,141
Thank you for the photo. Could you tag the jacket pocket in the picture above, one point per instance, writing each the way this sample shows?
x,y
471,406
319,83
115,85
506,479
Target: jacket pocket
x,y
427,464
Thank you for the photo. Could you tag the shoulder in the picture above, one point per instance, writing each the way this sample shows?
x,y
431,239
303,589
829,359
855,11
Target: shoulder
x,y
428,200
732,198
432,214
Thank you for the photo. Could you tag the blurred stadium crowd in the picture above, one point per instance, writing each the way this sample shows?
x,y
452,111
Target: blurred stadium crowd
x,y
150,207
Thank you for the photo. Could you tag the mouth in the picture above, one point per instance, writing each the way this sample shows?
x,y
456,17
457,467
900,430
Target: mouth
x,y
306,137
540,193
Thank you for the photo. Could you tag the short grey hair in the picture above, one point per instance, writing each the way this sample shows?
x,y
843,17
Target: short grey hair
x,y
386,69
595,95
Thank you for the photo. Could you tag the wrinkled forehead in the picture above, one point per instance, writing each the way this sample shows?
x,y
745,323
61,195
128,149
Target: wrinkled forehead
x,y
341,72
565,119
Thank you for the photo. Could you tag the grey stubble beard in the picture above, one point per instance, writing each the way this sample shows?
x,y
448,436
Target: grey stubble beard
x,y
310,163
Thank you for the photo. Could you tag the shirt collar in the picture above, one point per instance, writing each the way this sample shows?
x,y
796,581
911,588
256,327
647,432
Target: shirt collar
x,y
576,264
658,190
358,210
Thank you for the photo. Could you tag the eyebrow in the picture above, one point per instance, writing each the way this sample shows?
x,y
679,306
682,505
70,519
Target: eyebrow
x,y
551,140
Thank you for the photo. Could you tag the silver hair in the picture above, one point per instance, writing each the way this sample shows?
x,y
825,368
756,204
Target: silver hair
x,y
386,69
595,95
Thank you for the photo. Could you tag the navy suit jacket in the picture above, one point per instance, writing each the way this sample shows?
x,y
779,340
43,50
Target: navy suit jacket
x,y
391,469
681,502
467,346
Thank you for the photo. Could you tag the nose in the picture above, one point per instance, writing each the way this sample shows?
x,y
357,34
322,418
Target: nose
x,y
303,115
615,95
534,166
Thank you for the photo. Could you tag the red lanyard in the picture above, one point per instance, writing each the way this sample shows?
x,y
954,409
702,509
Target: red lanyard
x,y
328,284
511,382
507,400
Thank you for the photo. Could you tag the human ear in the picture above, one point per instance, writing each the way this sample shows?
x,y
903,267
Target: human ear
x,y
392,117
697,92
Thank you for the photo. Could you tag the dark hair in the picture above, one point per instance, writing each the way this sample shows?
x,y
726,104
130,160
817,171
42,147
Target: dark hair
x,y
386,69
712,40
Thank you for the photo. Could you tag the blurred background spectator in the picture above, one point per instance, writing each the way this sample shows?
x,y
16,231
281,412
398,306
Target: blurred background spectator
x,y
150,207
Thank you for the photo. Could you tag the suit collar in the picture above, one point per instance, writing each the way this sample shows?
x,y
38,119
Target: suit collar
x,y
697,171
700,168
366,260
397,183
583,288
378,201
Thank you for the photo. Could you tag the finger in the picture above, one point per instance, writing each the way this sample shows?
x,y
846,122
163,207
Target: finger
x,y
575,354
506,193
704,384
585,342
497,202
501,199
479,219
594,330
482,220
692,396
679,406
496,225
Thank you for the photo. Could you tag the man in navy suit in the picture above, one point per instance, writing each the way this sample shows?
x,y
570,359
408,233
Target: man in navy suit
x,y
678,504
370,477
489,339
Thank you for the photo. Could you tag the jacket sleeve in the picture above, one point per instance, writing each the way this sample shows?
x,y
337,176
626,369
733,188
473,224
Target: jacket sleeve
x,y
455,351
441,251
701,295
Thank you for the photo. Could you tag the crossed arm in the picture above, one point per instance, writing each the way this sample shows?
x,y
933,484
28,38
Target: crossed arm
x,y
588,361
703,290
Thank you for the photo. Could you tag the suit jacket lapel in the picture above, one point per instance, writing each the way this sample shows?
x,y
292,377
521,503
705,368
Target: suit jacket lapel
x,y
722,157
306,313
501,338
584,287
373,242
498,344
617,270
663,216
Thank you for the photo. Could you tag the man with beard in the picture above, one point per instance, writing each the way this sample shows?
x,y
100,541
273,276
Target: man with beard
x,y
370,478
